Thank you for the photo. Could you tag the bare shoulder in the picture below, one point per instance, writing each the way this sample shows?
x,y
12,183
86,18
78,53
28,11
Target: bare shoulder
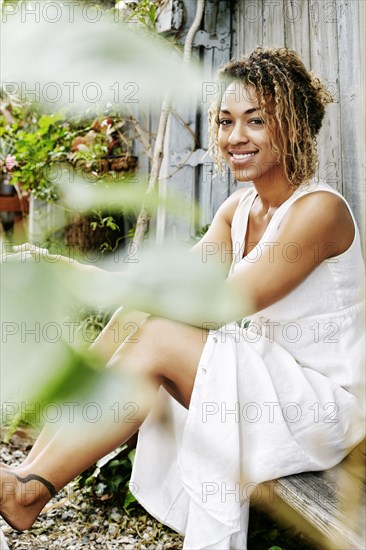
x,y
325,217
228,207
327,207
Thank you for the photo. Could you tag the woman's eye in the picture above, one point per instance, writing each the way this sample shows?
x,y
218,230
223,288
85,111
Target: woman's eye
x,y
224,121
256,121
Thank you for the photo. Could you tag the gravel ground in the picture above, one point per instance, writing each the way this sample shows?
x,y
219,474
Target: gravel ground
x,y
76,520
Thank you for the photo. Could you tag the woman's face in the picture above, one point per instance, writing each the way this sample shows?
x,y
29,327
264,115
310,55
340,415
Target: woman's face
x,y
244,138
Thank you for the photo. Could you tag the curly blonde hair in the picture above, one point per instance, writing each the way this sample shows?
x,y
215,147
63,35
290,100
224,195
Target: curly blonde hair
x,y
292,101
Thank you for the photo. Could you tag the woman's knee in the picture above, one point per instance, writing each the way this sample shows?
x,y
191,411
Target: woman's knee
x,y
152,340
123,325
142,351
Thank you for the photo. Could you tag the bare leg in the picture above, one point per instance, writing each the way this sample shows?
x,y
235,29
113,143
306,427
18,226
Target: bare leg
x,y
166,353
124,324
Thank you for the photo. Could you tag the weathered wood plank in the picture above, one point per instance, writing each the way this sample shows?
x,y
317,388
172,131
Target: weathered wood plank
x,y
273,24
324,62
313,497
351,99
297,28
248,17
211,192
333,502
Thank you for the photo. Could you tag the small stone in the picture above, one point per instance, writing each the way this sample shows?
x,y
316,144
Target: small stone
x,y
115,514
112,529
18,454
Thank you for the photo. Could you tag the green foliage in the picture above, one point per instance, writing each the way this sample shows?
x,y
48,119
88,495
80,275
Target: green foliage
x,y
202,231
42,142
110,477
9,2
11,427
107,221
144,13
89,321
95,145
36,147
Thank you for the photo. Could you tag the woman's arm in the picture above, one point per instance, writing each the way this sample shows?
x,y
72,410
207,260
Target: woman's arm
x,y
179,285
316,227
216,245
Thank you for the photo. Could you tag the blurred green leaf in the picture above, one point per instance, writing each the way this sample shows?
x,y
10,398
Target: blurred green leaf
x,y
77,58
129,499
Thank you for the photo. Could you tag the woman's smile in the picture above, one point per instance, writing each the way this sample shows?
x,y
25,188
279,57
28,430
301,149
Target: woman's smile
x,y
240,158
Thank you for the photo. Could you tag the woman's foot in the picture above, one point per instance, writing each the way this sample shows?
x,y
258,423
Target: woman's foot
x,y
22,497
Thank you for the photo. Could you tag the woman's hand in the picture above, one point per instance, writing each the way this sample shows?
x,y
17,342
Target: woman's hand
x,y
29,252
26,250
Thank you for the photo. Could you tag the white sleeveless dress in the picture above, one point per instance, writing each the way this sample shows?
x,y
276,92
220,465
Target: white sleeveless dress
x,y
280,393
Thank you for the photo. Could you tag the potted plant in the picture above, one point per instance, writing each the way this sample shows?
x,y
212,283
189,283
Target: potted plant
x,y
99,144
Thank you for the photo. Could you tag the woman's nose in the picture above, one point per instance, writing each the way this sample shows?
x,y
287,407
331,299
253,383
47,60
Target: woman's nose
x,y
238,134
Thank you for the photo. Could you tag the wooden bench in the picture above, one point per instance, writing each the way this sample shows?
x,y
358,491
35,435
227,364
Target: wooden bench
x,y
329,507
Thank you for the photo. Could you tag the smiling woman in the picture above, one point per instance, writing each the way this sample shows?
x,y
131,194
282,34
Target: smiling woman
x,y
229,405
